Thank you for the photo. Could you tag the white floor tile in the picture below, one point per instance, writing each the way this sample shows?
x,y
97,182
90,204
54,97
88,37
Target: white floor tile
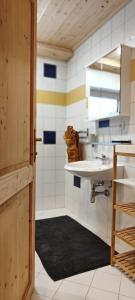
x,y
36,296
125,298
96,294
71,291
127,287
106,282
110,270
45,286
38,264
84,278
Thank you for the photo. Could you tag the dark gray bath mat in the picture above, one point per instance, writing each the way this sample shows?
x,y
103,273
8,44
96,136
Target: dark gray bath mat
x,y
66,248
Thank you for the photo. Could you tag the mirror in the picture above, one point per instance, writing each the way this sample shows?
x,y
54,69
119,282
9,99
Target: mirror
x,y
103,86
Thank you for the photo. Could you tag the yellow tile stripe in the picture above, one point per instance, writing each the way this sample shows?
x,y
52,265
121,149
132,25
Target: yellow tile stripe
x,y
133,70
76,95
59,98
48,97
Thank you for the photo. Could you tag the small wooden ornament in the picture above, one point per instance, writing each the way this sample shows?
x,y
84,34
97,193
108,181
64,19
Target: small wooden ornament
x,y
71,138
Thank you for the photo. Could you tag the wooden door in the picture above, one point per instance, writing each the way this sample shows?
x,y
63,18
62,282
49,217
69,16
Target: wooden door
x,y
17,115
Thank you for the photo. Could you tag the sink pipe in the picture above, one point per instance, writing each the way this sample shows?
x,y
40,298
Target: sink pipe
x,y
94,193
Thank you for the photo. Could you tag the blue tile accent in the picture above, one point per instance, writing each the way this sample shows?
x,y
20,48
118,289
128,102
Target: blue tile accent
x,y
104,123
77,181
49,71
49,137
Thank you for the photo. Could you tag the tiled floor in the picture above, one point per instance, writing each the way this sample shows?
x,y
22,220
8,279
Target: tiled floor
x,y
106,283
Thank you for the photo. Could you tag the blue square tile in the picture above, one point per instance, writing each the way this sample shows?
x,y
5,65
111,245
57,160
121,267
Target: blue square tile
x,y
103,123
49,70
77,181
49,137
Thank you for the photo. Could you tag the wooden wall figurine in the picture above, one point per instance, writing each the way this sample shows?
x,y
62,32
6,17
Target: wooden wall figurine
x,y
71,138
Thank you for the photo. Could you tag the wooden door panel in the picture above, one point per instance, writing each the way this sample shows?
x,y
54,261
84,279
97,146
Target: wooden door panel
x,y
14,246
15,52
17,172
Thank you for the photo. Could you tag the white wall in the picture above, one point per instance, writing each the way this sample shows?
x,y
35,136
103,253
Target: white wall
x,y
119,29
50,84
97,217
50,191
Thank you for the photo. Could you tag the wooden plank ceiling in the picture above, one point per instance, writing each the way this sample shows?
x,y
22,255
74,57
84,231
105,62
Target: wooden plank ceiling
x,y
64,24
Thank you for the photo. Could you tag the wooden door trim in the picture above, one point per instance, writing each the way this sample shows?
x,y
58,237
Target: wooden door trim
x,y
30,287
13,182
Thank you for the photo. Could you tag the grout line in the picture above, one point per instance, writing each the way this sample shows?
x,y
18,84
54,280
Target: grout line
x,y
109,273
131,298
76,282
120,286
107,291
57,290
90,285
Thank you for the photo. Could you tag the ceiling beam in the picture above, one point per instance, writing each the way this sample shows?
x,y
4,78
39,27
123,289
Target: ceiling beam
x,y
54,52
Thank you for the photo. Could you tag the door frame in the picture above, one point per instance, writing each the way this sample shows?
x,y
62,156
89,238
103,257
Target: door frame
x,y
30,287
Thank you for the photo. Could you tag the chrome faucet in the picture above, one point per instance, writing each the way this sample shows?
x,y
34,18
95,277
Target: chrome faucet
x,y
103,157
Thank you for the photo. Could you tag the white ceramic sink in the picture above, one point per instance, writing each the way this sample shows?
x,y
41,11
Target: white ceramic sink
x,y
92,168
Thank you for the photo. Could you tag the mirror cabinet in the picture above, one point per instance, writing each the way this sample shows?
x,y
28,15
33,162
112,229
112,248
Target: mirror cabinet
x,y
108,85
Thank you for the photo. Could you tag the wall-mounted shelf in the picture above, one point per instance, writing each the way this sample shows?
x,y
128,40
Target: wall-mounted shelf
x,y
125,261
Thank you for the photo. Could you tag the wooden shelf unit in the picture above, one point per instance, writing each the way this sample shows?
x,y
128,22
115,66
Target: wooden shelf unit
x,y
125,261
128,208
127,235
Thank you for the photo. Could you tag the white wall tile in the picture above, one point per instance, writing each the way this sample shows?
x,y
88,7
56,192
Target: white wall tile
x,y
49,124
106,30
118,36
49,150
60,150
45,176
50,170
60,201
118,19
96,38
47,163
60,111
49,190
60,124
60,176
130,28
130,10
50,84
60,189
60,138
60,162
47,110
105,45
